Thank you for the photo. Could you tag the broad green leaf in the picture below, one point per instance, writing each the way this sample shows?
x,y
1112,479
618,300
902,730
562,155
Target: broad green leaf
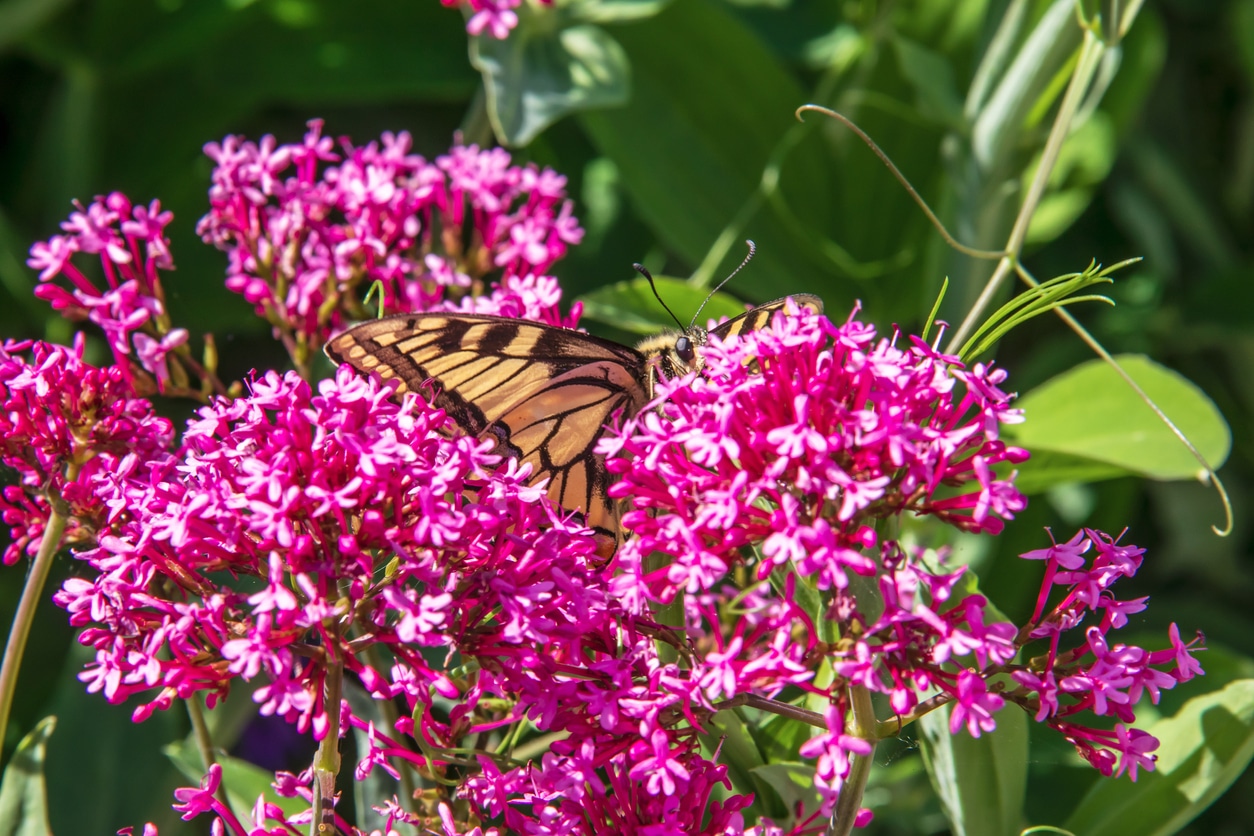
x,y
1204,748
794,783
710,106
1090,413
981,781
24,791
631,305
734,739
244,781
545,70
932,77
614,11
88,791
1046,469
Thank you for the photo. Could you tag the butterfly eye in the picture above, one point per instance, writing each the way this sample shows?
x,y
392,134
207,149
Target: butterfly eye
x,y
684,350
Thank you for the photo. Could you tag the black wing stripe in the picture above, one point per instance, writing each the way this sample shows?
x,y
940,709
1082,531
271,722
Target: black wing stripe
x,y
542,392
755,318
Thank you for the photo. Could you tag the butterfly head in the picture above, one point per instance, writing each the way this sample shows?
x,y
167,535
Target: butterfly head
x,y
674,353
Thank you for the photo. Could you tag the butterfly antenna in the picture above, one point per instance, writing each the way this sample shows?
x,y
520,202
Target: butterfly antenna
x,y
640,268
752,249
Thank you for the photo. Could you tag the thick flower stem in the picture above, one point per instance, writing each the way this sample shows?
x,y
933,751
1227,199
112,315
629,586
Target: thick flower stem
x,y
327,761
860,770
31,593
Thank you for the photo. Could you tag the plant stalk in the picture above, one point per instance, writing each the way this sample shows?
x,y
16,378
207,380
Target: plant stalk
x,y
24,617
1091,51
851,791
327,761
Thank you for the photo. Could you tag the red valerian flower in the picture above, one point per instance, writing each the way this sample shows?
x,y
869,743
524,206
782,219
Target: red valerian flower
x,y
307,229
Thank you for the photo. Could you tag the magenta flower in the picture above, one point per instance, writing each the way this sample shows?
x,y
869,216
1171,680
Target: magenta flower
x,y
830,430
308,230
302,534
69,430
133,250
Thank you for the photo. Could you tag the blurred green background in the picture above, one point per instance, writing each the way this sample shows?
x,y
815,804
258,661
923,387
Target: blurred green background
x,y
685,144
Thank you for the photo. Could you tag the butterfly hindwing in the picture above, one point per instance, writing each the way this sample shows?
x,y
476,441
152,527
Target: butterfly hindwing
x,y
755,318
542,393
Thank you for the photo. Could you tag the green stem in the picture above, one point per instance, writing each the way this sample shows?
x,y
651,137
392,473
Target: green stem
x,y
1091,51
54,530
860,769
327,761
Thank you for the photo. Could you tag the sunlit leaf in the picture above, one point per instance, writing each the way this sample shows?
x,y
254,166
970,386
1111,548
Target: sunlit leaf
x,y
1090,413
24,791
981,781
1204,748
545,70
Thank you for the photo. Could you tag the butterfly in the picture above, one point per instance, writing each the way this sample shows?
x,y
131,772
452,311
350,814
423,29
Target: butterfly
x,y
544,393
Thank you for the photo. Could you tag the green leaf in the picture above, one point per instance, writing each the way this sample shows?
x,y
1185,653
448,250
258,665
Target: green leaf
x,y
545,70
1090,413
794,783
1204,748
88,791
24,792
780,738
710,109
1047,469
731,736
932,77
378,787
981,781
244,781
1000,121
631,305
615,11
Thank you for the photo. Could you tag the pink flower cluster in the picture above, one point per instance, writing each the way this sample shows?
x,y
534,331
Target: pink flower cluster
x,y
377,534
1096,676
67,428
298,533
133,249
308,230
798,438
777,464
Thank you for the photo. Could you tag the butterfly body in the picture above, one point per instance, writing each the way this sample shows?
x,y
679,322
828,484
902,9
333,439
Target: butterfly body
x,y
543,393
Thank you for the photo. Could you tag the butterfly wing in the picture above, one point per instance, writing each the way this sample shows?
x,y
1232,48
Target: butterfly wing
x,y
543,393
755,318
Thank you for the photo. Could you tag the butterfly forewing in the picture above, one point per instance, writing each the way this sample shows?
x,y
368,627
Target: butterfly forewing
x,y
542,393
